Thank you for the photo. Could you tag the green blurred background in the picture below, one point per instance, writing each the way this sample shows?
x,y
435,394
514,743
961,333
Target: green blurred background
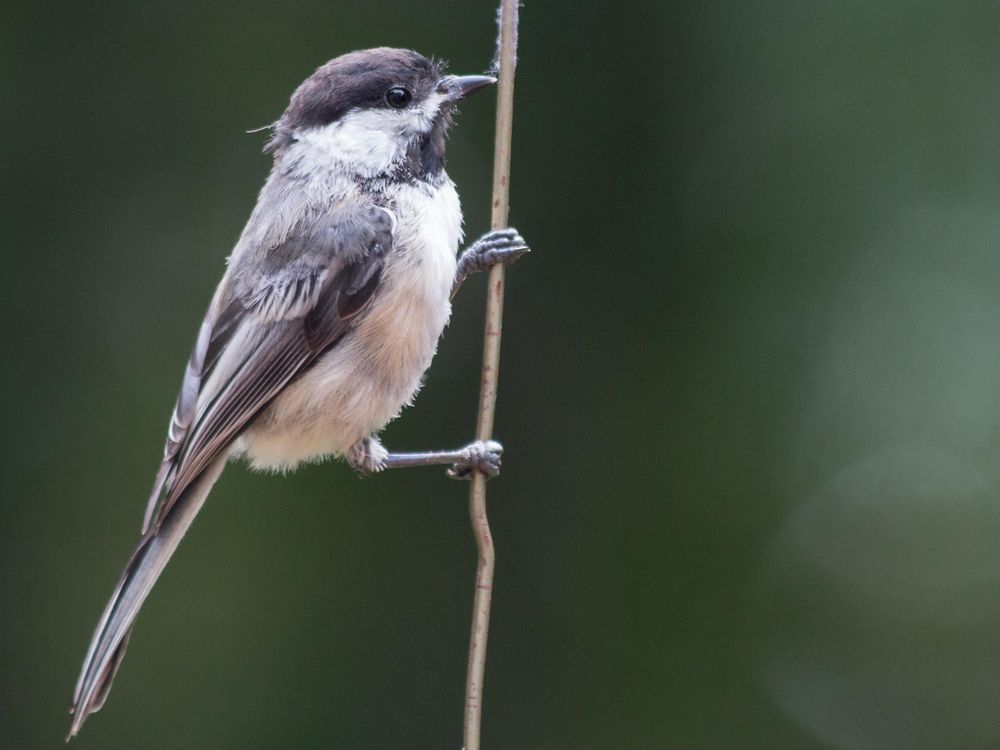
x,y
750,386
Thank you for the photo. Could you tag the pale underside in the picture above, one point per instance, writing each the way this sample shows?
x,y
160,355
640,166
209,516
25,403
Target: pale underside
x,y
357,387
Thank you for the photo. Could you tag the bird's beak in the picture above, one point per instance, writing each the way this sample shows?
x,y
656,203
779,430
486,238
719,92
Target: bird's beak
x,y
459,87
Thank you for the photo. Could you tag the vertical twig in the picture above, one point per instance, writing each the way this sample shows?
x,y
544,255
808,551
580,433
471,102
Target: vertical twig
x,y
506,60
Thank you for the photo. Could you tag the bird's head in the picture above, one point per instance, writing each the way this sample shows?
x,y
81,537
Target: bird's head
x,y
377,113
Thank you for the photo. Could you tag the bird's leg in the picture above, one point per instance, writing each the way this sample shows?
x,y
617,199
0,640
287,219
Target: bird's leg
x,y
369,456
499,246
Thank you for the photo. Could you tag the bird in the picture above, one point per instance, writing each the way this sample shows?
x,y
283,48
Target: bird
x,y
328,313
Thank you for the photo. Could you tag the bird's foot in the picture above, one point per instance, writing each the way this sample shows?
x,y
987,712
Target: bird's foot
x,y
368,456
484,455
499,246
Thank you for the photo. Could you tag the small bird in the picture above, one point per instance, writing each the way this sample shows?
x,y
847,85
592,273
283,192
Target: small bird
x,y
328,314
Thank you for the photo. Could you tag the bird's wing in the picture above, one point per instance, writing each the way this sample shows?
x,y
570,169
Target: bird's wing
x,y
267,324
264,328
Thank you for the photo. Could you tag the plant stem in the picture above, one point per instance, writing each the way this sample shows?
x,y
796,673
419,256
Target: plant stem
x,y
507,60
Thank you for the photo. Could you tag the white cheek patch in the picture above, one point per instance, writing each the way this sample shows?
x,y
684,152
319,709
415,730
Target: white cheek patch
x,y
367,141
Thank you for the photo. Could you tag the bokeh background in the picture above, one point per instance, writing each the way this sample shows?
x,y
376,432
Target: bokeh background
x,y
750,386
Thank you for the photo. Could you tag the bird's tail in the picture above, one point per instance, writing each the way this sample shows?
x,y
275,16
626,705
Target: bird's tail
x,y
107,647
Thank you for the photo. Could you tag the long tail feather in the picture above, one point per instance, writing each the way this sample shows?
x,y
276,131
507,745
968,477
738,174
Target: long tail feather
x,y
107,647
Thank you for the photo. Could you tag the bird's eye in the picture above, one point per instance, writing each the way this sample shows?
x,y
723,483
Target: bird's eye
x,y
397,97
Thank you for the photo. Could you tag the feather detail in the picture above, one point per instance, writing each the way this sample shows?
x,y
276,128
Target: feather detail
x,y
287,298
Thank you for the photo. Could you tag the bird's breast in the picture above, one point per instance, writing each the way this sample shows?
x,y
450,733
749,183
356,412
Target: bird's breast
x,y
411,306
364,381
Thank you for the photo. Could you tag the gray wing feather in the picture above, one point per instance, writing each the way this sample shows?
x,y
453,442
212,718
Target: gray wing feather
x,y
269,350
268,323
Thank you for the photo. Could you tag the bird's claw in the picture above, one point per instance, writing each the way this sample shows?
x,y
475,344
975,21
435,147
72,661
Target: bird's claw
x,y
499,246
482,455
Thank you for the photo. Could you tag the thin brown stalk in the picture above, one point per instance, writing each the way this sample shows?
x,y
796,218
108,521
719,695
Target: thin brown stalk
x,y
506,61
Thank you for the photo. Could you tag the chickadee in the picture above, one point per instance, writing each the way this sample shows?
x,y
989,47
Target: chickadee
x,y
328,314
